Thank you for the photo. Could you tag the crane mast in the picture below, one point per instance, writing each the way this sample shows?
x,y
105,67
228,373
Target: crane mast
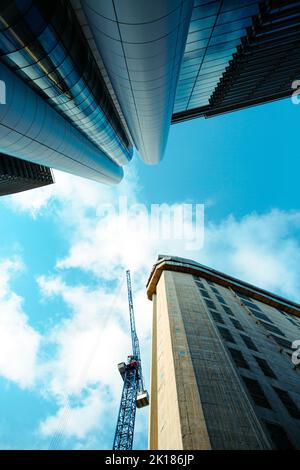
x,y
133,393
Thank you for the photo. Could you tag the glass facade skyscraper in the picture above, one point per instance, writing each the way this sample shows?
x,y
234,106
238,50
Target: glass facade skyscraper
x,y
89,80
238,54
18,175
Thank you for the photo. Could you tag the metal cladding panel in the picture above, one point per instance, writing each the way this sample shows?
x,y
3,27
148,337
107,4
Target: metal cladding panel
x,y
31,129
43,43
142,44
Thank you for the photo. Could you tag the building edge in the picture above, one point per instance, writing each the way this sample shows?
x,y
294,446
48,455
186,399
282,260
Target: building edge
x,y
184,265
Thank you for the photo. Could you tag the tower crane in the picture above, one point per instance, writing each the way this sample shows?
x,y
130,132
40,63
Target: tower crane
x,y
133,394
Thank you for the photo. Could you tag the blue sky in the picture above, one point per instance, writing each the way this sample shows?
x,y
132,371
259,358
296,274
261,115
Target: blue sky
x,y
63,306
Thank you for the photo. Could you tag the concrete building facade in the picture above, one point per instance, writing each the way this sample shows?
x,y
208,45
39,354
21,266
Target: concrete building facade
x,y
222,372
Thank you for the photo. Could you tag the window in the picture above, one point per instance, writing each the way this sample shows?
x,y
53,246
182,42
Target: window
x,y
256,392
228,310
226,335
256,307
209,303
292,320
238,358
204,293
288,402
265,367
221,299
260,315
272,328
215,290
236,324
288,316
217,317
249,303
199,283
278,436
282,342
249,343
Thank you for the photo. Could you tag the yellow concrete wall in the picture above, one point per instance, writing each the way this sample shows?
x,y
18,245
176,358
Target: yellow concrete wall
x,y
176,416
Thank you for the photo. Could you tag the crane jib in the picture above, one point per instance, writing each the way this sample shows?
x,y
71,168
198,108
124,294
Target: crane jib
x,y
133,393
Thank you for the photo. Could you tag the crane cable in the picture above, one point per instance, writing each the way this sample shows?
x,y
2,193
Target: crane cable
x,y
65,416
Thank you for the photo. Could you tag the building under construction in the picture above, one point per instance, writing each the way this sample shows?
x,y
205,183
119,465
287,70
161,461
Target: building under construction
x,y
223,375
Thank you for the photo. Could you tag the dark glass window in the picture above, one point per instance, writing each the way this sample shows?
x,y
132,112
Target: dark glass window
x,y
256,392
292,320
228,310
278,436
238,358
265,367
282,342
236,324
210,303
250,304
215,290
260,315
217,317
249,343
226,335
200,285
198,282
204,293
272,328
257,307
221,299
288,402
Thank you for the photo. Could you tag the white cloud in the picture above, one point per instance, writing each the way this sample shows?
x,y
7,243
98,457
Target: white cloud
x,y
261,249
19,342
90,342
69,194
94,336
75,421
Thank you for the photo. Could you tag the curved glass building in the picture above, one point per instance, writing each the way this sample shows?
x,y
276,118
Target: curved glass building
x,y
31,129
45,46
142,45
88,80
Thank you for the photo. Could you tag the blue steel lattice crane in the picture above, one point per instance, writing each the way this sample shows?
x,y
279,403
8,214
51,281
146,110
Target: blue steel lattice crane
x,y
133,393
